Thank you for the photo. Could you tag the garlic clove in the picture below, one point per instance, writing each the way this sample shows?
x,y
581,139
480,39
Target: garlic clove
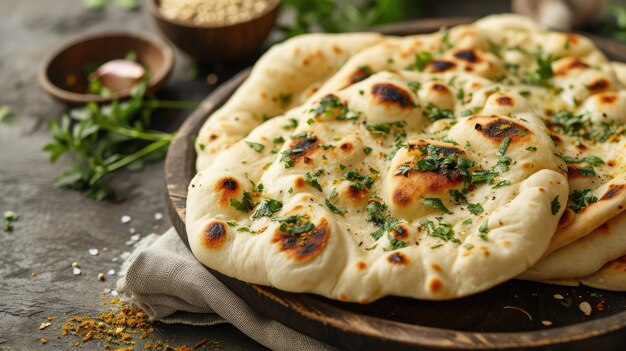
x,y
119,75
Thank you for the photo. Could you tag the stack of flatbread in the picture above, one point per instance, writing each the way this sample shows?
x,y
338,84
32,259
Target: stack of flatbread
x,y
432,166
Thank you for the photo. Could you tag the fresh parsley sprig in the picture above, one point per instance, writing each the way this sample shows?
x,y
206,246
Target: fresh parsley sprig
x,y
107,138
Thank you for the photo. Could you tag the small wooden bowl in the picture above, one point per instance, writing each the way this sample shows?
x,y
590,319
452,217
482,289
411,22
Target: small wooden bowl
x,y
63,73
217,43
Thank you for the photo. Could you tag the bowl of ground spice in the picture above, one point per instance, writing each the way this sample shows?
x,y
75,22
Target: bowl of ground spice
x,y
215,30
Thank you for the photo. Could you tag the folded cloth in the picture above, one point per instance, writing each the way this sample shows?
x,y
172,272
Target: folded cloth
x,y
170,285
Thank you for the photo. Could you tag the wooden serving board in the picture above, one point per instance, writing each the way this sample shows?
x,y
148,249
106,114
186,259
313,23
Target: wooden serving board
x,y
513,315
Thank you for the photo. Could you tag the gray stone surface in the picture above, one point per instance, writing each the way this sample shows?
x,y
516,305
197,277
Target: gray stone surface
x,y
56,226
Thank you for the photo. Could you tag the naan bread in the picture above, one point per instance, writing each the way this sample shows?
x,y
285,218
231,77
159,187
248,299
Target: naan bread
x,y
585,255
284,77
365,220
612,276
348,207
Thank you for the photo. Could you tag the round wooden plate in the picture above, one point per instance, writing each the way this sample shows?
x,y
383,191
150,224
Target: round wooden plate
x,y
513,315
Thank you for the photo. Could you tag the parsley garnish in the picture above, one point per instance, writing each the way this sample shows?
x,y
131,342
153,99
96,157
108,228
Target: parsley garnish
x,y
267,208
246,204
293,123
422,59
503,161
475,209
9,218
384,128
483,230
329,103
586,171
555,205
436,203
367,150
435,113
294,224
580,199
359,180
255,146
443,231
312,181
334,208
590,160
531,148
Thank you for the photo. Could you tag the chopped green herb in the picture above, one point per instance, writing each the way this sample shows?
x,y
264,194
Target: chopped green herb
x,y
367,150
443,231
436,203
586,171
580,199
278,140
531,148
468,246
503,161
555,205
422,59
501,183
246,204
590,160
483,230
384,128
256,146
334,208
404,170
475,209
308,178
293,124
294,224
435,113
9,218
267,208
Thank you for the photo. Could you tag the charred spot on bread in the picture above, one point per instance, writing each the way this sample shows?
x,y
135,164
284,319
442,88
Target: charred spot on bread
x,y
468,55
392,95
303,247
214,235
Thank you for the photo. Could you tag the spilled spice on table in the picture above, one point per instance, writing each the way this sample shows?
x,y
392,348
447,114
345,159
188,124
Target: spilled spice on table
x,y
120,327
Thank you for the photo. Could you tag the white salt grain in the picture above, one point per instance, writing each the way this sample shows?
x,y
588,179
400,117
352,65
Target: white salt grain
x,y
114,293
158,216
111,272
93,252
132,230
76,271
125,219
44,325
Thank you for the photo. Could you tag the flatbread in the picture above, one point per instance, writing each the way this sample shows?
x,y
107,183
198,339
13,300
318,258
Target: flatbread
x,y
362,114
612,276
585,255
284,77
371,231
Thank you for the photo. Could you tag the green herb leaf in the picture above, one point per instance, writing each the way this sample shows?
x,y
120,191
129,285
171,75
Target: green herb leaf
x,y
436,203
246,204
475,209
256,146
483,230
434,113
334,208
580,199
422,59
267,208
9,218
555,205
310,180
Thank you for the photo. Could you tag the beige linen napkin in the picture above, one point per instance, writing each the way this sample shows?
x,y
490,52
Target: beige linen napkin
x,y
167,282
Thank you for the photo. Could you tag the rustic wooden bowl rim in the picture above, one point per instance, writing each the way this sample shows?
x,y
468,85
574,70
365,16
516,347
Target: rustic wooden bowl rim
x,y
396,332
153,7
157,78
